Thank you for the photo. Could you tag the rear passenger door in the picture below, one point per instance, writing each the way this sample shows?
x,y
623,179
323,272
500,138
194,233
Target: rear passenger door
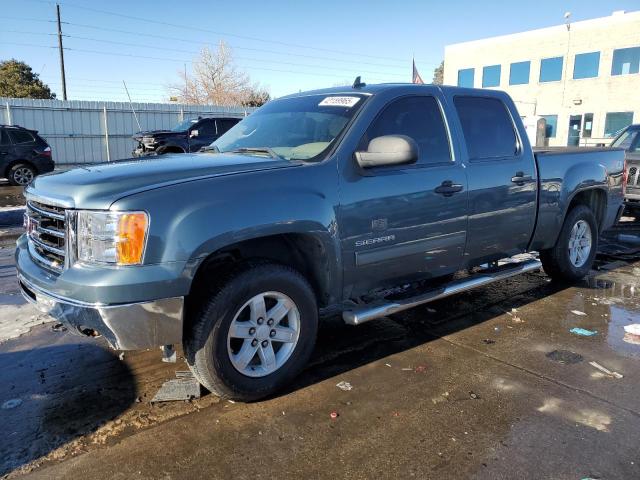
x,y
502,180
404,221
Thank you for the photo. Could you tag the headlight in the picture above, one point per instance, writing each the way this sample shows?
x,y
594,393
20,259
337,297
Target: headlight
x,y
117,238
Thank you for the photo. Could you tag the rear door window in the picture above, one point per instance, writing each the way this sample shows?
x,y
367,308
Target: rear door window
x,y
225,124
487,127
419,118
21,136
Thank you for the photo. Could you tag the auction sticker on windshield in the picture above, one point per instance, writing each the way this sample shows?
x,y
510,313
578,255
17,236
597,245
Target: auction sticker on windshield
x,y
339,102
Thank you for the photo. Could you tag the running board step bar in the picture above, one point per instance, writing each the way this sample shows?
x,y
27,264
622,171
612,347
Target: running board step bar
x,y
365,313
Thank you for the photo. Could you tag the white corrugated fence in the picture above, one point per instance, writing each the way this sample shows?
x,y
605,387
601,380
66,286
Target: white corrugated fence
x,y
91,131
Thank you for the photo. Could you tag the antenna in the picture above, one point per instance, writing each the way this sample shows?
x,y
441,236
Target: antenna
x,y
358,83
131,104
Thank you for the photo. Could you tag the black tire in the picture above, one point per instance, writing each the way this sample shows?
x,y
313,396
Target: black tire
x,y
205,345
21,174
556,261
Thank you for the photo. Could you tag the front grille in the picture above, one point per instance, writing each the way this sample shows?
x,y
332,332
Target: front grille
x,y
46,231
633,179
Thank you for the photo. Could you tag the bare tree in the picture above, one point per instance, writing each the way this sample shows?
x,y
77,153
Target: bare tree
x,y
438,74
216,80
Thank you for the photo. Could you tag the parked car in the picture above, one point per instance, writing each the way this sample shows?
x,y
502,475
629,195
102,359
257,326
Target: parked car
x,y
629,140
188,136
350,200
23,154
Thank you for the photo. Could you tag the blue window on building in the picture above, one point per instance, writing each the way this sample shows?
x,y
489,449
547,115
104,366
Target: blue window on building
x,y
614,122
519,74
551,69
586,65
491,76
552,124
625,61
465,77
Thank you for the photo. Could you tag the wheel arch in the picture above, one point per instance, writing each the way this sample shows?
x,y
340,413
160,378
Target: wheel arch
x,y
307,253
13,163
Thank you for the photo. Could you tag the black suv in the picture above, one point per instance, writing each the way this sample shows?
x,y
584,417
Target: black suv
x,y
23,154
188,136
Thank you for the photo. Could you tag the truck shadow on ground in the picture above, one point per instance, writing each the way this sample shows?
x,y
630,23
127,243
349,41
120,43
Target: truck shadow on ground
x,y
341,347
54,395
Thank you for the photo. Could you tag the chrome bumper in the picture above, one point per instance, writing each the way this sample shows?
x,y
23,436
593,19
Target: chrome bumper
x,y
133,326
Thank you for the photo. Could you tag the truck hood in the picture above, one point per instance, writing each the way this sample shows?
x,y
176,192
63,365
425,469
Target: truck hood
x,y
158,134
98,186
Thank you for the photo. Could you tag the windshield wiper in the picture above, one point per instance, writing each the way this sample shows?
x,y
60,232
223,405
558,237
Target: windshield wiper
x,y
210,149
257,150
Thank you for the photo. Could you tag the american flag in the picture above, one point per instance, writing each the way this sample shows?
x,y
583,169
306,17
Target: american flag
x,y
416,78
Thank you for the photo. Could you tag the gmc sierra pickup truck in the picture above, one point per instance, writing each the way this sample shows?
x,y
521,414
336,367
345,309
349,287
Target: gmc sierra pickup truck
x,y
629,140
363,201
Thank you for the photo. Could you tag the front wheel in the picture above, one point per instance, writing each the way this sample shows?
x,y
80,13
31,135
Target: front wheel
x,y
254,334
572,256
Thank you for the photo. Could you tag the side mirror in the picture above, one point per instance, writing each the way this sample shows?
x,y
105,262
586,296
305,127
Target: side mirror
x,y
388,150
193,133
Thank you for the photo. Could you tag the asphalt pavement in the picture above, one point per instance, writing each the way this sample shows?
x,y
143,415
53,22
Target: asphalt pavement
x,y
490,384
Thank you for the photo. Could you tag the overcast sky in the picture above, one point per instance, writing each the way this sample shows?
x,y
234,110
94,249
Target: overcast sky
x,y
286,46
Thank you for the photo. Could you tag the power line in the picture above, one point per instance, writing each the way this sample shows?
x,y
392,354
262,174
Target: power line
x,y
245,37
112,42
166,59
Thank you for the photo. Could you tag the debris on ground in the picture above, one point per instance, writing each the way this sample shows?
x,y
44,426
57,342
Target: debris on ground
x,y
58,327
488,341
169,354
474,396
333,415
184,387
633,329
578,312
606,371
583,331
420,369
13,403
631,338
565,357
346,386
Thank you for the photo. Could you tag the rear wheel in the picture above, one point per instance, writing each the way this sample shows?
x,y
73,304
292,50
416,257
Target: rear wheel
x,y
572,256
254,334
21,174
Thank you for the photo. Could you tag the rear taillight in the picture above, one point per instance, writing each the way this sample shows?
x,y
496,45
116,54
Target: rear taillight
x,y
46,152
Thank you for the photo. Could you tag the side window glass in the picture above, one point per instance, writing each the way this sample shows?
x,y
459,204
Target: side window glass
x,y
226,125
4,138
206,127
487,127
21,136
419,118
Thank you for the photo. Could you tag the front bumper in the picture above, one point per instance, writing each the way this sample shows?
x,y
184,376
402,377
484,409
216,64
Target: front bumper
x,y
133,326
133,308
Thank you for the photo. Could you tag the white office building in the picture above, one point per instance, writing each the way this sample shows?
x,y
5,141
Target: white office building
x,y
582,77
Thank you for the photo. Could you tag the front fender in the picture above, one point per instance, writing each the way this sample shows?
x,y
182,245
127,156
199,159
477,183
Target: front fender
x,y
192,220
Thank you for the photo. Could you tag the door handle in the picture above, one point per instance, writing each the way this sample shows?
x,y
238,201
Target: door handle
x,y
520,178
448,188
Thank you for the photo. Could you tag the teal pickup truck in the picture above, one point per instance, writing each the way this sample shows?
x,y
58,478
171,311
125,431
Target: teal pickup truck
x,y
319,203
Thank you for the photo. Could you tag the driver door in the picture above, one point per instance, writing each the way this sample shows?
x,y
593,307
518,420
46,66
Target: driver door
x,y
398,222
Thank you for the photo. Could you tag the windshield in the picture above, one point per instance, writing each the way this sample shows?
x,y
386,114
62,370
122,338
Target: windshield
x,y
625,139
294,128
184,126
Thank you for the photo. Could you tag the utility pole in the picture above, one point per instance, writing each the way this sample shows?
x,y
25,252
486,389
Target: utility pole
x,y
61,50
